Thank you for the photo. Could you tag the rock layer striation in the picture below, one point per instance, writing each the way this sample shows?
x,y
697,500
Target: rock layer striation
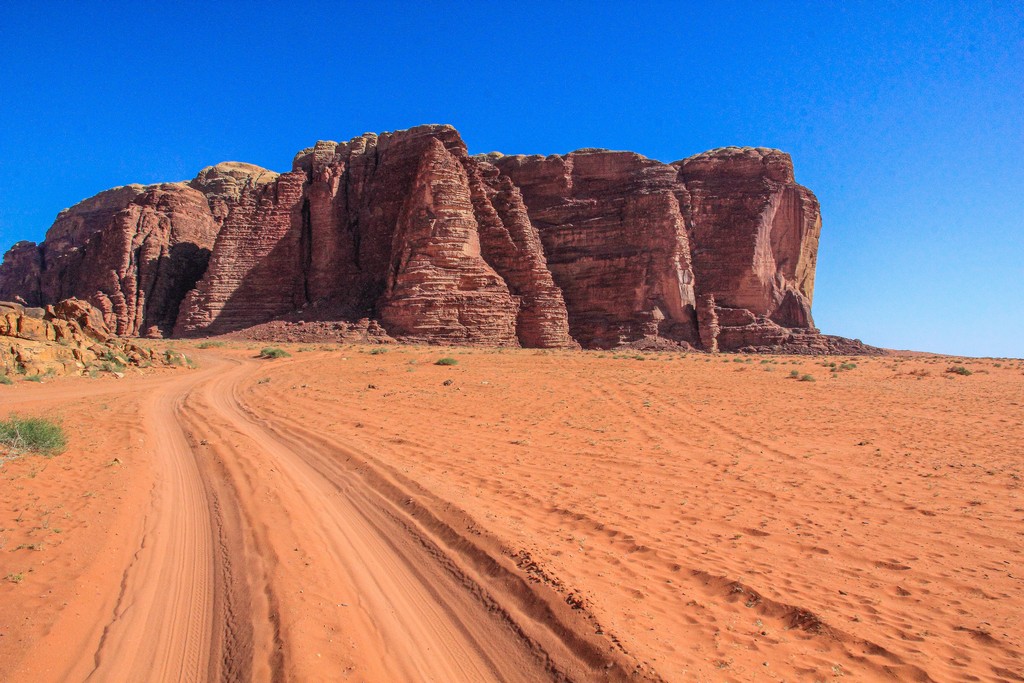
x,y
407,230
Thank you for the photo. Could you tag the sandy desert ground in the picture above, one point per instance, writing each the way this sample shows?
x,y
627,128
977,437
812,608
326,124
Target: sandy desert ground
x,y
361,513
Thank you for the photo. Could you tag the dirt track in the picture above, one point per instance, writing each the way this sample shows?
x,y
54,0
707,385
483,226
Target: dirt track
x,y
268,554
521,516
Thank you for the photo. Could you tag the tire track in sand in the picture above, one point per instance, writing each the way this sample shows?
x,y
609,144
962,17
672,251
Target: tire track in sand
x,y
358,584
162,627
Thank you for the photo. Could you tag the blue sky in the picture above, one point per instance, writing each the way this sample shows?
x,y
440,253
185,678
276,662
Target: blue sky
x,y
906,119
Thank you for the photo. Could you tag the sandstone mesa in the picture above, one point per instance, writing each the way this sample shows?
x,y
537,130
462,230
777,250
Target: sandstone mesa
x,y
408,236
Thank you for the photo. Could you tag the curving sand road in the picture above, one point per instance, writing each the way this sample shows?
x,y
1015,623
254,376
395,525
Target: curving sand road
x,y
266,553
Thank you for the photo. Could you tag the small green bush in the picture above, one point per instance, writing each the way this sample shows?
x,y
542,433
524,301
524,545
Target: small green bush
x,y
794,373
274,352
33,434
209,345
446,361
33,378
959,370
377,351
807,378
4,379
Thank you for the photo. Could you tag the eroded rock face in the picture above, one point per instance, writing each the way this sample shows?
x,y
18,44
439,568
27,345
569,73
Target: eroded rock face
x,y
133,252
404,228
593,248
759,228
616,243
255,269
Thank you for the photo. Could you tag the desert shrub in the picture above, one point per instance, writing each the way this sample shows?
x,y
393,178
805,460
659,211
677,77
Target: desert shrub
x,y
4,379
848,366
33,378
377,351
33,434
446,361
807,378
209,345
273,352
114,357
959,370
794,373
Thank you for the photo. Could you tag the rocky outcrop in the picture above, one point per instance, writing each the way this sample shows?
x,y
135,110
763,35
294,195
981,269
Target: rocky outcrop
x,y
439,286
69,337
760,229
404,228
255,269
133,252
616,242
407,231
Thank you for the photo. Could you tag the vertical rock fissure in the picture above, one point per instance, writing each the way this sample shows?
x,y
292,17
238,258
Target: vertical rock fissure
x,y
306,249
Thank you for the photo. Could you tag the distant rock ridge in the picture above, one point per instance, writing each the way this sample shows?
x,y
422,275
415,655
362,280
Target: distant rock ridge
x,y
594,248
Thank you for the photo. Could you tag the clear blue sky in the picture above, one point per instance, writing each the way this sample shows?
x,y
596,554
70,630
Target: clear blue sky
x,y
906,119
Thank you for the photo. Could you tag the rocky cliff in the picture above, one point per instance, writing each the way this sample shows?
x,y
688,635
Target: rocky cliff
x,y
406,229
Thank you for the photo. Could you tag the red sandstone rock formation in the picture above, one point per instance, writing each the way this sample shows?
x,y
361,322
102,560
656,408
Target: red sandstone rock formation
x,y
594,247
615,240
133,252
403,227
254,273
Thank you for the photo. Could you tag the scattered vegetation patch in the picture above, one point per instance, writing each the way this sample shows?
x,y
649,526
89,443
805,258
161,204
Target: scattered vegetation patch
x,y
807,378
4,379
271,352
33,378
209,345
795,374
446,361
959,370
33,434
172,357
114,358
377,351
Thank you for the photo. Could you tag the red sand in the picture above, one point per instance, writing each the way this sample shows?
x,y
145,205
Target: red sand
x,y
345,514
